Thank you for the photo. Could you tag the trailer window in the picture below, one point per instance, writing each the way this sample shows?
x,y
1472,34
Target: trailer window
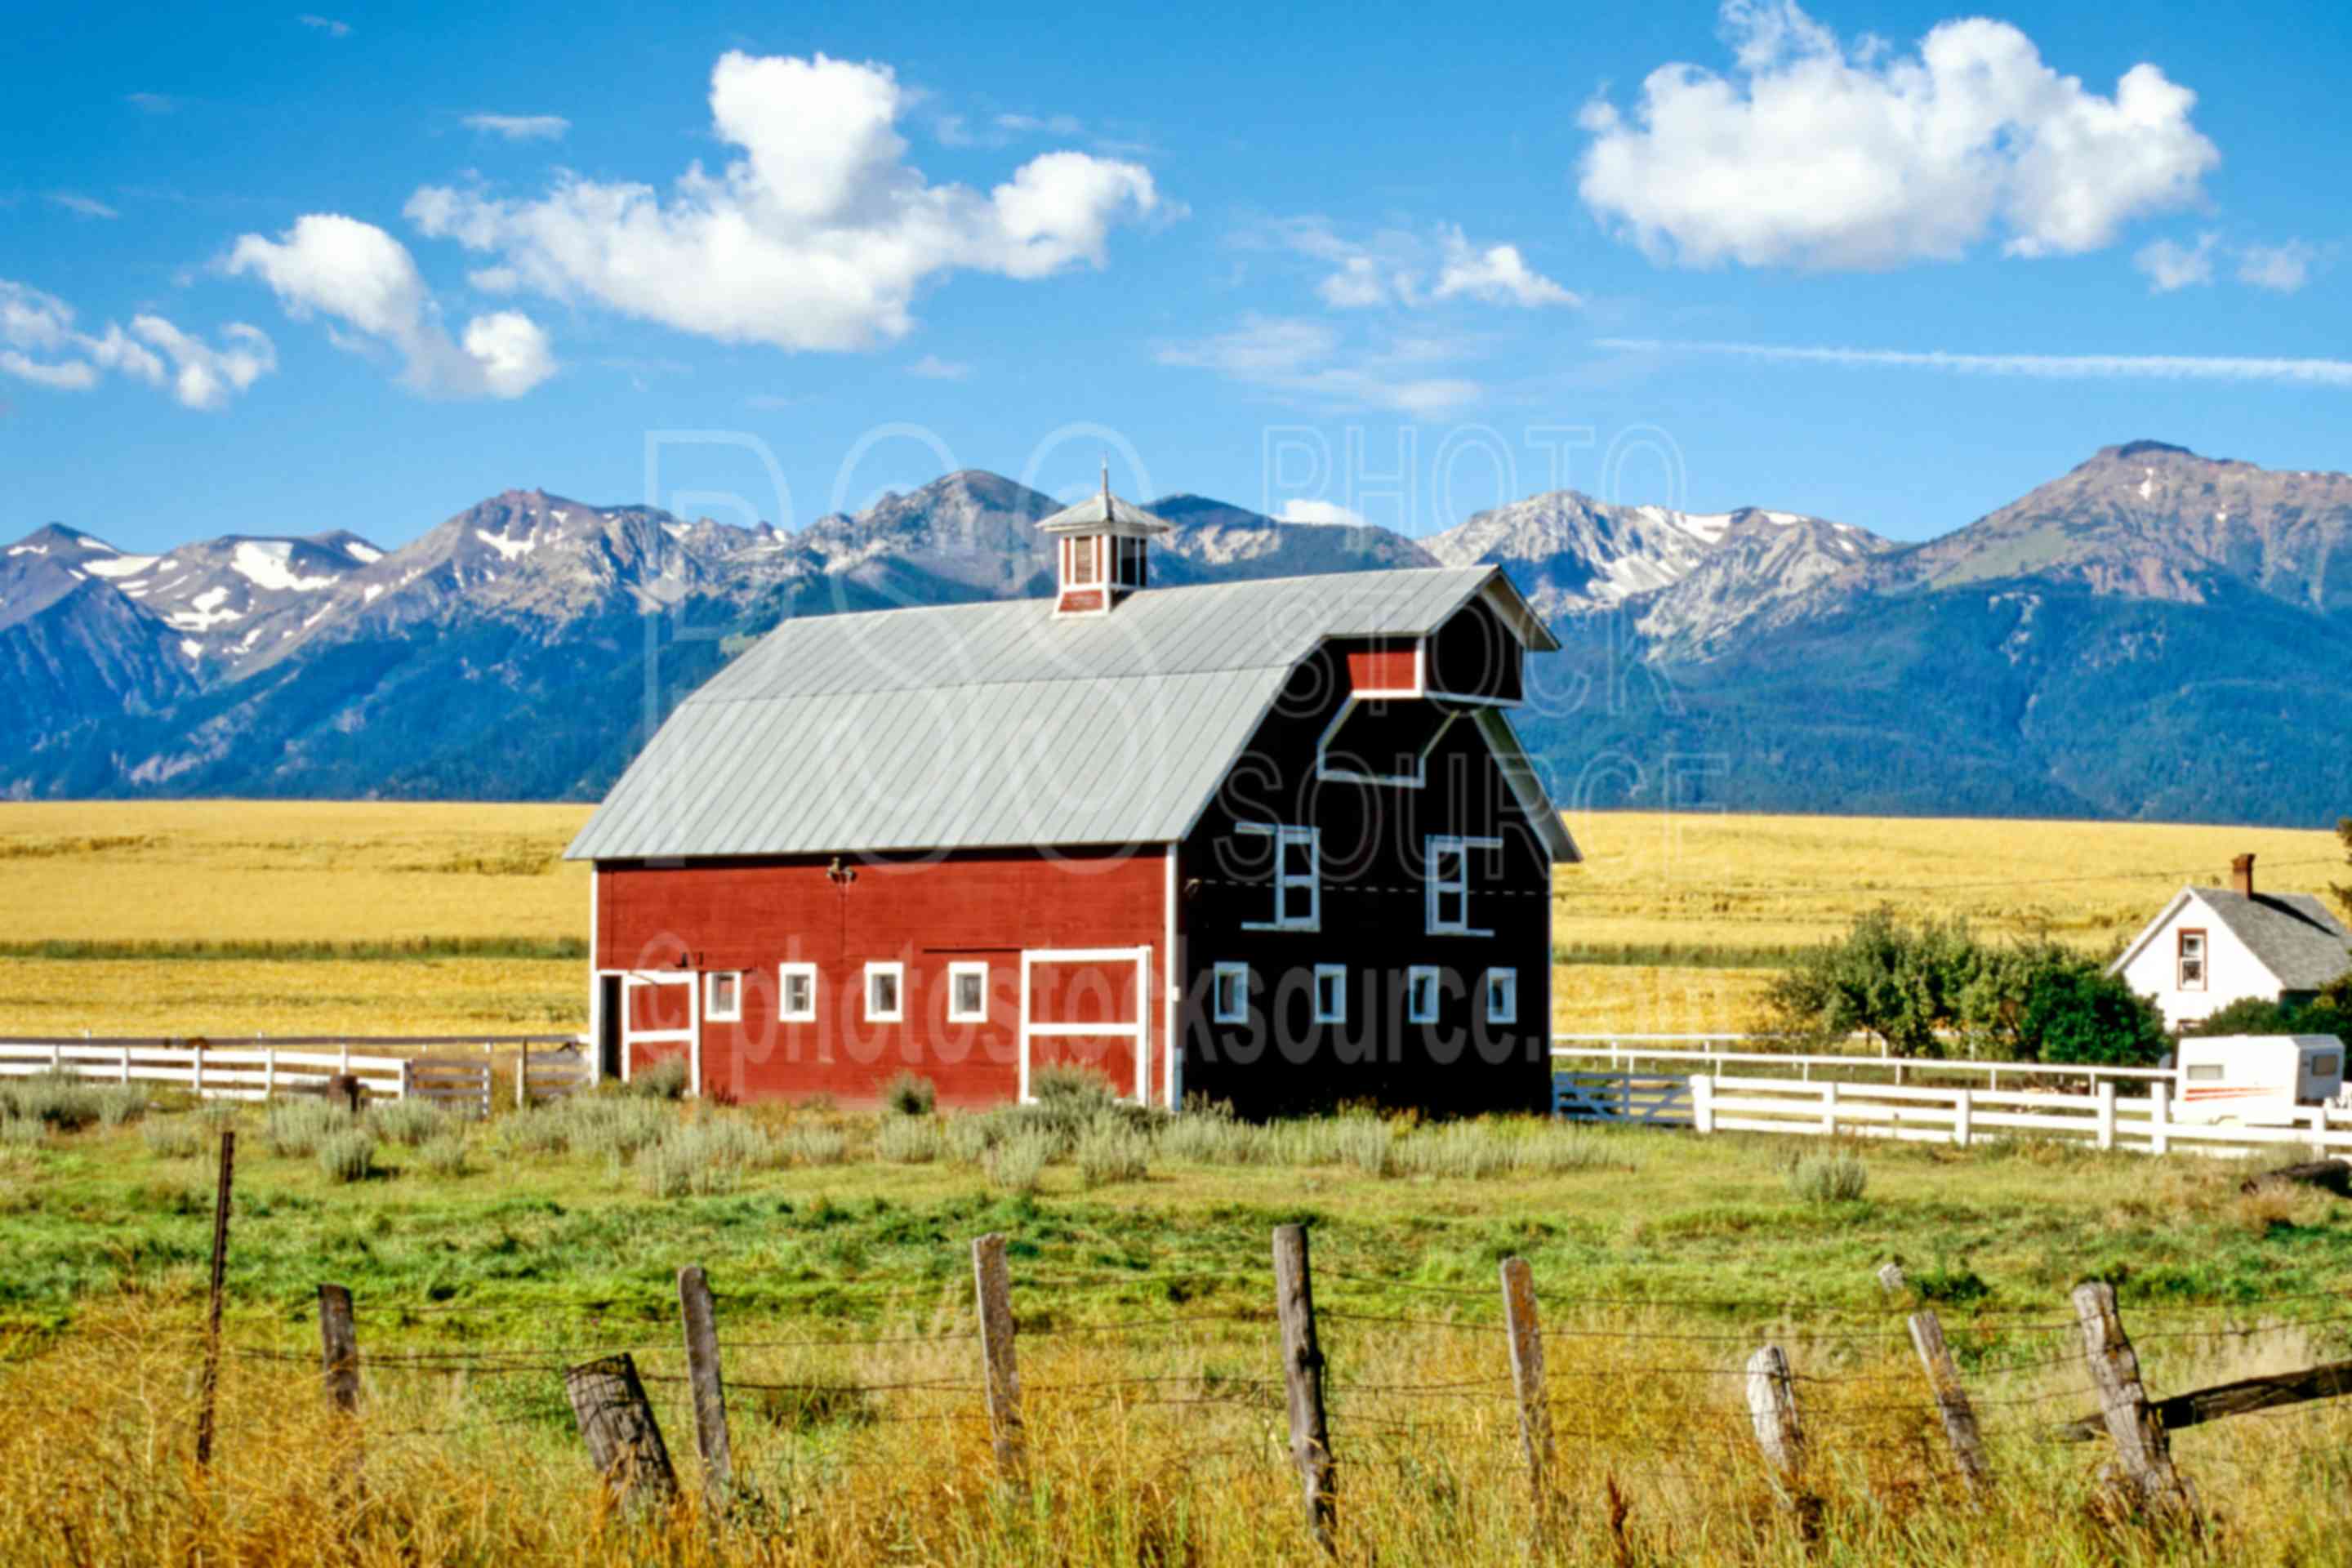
x,y
2204,1073
2193,961
2323,1066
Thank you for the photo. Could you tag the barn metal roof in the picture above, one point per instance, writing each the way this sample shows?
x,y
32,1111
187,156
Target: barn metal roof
x,y
997,724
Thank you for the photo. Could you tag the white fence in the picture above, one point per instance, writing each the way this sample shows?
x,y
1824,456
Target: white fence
x,y
243,1072
1677,1054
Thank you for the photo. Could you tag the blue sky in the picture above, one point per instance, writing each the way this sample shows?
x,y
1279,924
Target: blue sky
x,y
1890,265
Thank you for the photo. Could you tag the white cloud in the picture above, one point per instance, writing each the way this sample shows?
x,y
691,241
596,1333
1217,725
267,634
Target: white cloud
x,y
151,102
1033,125
326,25
1320,513
1310,361
81,206
931,367
39,343
1395,267
519,127
817,239
1810,154
2170,265
361,276
1497,275
2282,267
2059,367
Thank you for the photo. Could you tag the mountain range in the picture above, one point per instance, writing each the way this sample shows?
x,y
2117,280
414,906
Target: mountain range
x,y
2154,635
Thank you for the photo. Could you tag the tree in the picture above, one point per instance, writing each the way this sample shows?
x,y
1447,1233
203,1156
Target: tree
x,y
2081,1014
1887,978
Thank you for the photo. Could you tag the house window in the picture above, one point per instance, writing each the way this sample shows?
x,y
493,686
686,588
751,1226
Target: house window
x,y
1446,879
1502,996
796,993
1230,1000
967,993
2193,961
1297,878
885,993
722,997
1330,993
1421,993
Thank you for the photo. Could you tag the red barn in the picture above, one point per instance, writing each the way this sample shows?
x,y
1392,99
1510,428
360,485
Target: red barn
x,y
1272,842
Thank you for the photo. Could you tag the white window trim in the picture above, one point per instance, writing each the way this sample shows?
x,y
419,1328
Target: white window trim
x,y
712,1012
1285,834
1337,971
1510,1011
1415,979
956,972
1325,769
1219,974
1432,847
896,1014
785,974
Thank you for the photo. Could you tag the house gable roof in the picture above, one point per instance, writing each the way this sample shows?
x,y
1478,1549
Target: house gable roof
x,y
976,726
2292,935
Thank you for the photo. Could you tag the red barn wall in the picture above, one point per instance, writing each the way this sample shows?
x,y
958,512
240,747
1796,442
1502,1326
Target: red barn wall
x,y
749,916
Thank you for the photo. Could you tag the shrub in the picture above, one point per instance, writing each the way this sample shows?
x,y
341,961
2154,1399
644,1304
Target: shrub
x,y
616,1128
908,1141
908,1094
1557,1148
1017,1164
57,1099
348,1155
1113,1151
443,1154
1207,1134
1367,1143
172,1138
408,1121
120,1104
1827,1179
2259,1016
21,1132
814,1146
1461,1150
666,1080
969,1138
296,1128
542,1130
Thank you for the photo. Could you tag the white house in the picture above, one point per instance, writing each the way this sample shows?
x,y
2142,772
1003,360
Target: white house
x,y
2213,946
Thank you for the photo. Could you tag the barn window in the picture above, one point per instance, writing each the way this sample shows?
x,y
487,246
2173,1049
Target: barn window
x,y
722,998
1230,1001
1330,993
1297,878
2193,961
967,993
1082,559
1421,993
885,993
1502,996
1446,880
796,993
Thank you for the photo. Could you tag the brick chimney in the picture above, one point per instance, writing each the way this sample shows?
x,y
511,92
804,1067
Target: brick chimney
x,y
2241,876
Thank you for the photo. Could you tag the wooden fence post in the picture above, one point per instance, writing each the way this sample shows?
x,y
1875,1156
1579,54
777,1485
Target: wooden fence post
x,y
1302,1373
616,1422
2142,1468
210,1394
2106,1094
1964,1116
523,1079
2159,1119
1951,1402
1829,1108
338,1349
992,1285
1524,1336
709,1392
1772,1408
1703,1101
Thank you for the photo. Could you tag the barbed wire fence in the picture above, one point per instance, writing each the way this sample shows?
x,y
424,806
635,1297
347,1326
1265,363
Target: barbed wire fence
x,y
1490,1400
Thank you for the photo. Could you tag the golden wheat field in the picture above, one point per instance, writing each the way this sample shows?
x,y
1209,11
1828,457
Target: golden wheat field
x,y
1675,908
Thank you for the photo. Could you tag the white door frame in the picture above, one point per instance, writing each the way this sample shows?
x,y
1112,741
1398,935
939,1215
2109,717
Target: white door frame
x,y
1139,1030
644,979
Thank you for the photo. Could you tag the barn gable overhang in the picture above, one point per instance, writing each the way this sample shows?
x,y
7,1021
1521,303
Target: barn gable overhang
x,y
998,725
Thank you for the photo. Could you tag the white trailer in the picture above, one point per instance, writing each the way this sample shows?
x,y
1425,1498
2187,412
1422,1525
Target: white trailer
x,y
2256,1080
